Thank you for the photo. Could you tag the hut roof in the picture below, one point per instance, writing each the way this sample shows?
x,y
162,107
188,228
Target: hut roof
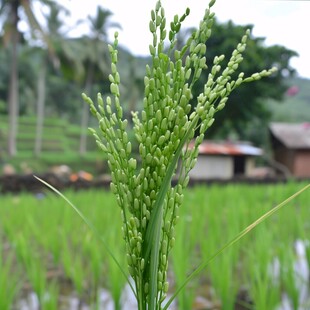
x,y
292,135
228,148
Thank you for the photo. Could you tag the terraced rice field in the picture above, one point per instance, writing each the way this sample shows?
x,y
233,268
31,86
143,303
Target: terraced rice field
x,y
50,259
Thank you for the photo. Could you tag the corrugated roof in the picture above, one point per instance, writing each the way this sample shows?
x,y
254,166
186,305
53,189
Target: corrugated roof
x,y
295,136
228,148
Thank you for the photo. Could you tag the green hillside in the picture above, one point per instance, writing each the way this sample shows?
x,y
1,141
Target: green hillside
x,y
60,145
58,135
294,108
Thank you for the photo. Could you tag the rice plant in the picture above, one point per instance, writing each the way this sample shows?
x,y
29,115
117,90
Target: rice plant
x,y
165,132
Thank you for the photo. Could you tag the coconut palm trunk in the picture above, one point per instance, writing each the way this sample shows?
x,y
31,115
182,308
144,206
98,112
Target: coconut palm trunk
x,y
40,108
13,85
9,11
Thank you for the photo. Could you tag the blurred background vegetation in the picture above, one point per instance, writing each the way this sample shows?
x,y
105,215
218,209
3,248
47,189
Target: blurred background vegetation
x,y
44,121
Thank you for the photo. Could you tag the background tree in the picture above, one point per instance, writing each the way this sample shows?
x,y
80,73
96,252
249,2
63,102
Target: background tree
x,y
96,60
26,83
56,37
10,13
246,112
85,65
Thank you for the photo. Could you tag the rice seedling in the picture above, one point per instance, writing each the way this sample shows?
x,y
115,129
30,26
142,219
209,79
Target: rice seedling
x,y
96,267
182,260
53,245
50,300
222,225
36,273
116,281
263,295
294,275
22,249
263,285
52,226
224,279
74,268
9,282
288,278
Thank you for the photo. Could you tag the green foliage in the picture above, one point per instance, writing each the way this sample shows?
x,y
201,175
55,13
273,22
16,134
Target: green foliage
x,y
164,131
246,111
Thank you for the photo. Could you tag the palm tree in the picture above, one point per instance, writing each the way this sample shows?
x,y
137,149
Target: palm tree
x,y
9,10
56,39
96,57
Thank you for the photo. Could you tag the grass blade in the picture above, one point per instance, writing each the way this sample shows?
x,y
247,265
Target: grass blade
x,y
233,241
91,226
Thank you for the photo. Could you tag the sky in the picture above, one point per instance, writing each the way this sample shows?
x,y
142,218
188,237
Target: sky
x,y
281,22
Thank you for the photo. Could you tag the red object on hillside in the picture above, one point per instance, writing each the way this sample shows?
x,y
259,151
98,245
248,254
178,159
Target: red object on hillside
x,y
292,91
306,126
